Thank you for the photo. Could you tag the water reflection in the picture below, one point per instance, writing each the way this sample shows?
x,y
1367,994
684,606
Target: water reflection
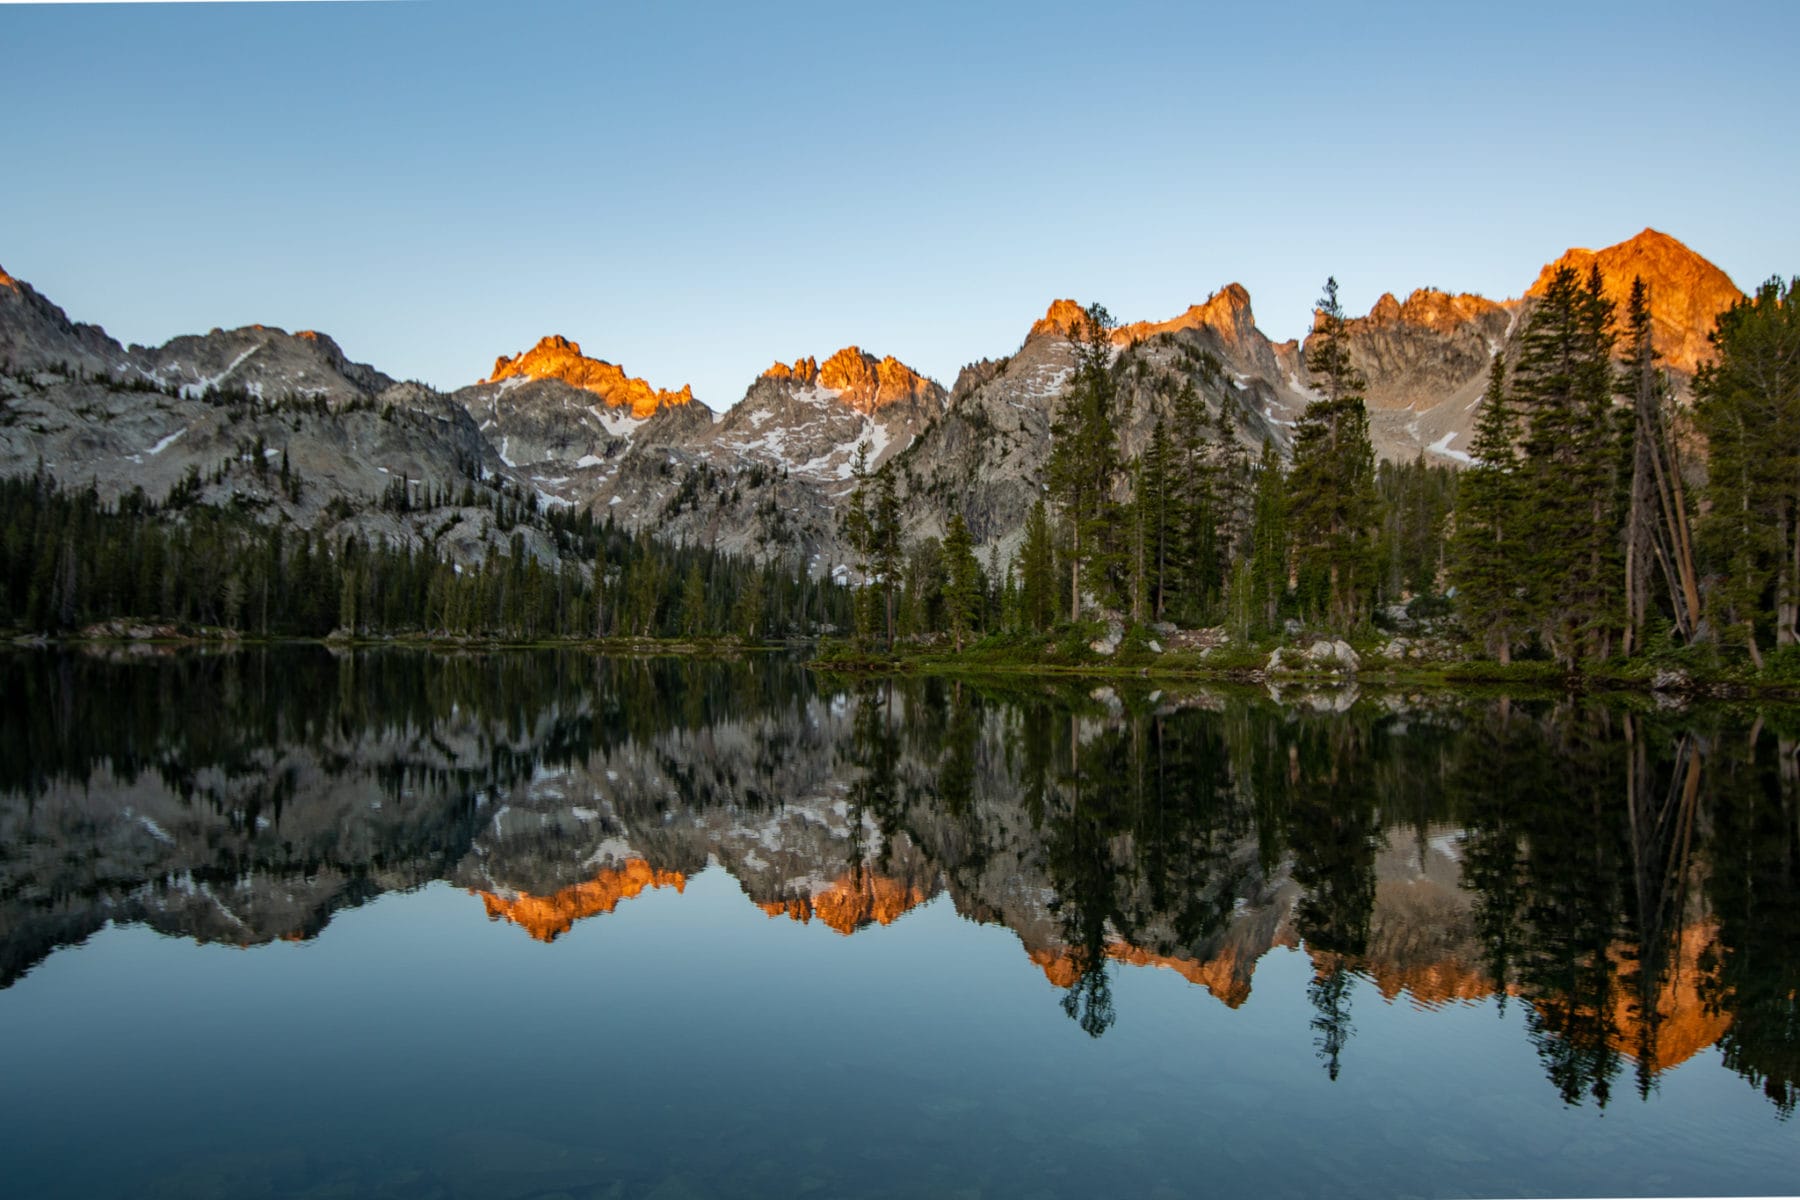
x,y
1626,875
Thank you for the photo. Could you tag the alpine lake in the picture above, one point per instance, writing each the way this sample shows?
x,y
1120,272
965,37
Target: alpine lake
x,y
296,922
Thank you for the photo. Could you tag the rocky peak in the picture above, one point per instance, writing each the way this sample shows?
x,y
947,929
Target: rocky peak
x,y
264,360
556,357
804,371
1428,308
35,333
1227,312
1686,291
1063,319
867,383
860,380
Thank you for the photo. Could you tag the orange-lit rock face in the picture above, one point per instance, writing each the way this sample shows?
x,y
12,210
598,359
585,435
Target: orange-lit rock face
x,y
1063,319
1226,311
7,280
547,917
1431,985
851,902
805,371
1686,292
1429,308
861,380
1676,1024
558,358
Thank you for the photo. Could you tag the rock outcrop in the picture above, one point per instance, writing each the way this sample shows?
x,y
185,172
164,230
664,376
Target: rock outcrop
x,y
36,334
556,357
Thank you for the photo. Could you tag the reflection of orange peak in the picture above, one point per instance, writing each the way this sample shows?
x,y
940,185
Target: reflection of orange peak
x,y
1432,985
556,357
851,902
1682,1025
1219,975
547,917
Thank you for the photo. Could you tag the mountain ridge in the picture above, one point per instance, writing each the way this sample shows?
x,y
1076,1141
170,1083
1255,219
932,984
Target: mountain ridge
x,y
769,475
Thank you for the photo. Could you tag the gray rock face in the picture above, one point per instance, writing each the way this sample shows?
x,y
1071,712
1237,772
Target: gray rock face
x,y
35,334
264,362
227,451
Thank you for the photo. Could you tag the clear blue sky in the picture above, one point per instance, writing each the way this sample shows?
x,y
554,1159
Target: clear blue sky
x,y
694,190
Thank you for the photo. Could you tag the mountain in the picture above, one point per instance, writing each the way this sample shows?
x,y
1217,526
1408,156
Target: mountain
x,y
556,357
987,455
1426,359
1686,291
808,418
770,475
218,414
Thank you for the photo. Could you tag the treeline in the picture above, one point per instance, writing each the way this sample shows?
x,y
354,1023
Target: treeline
x,y
68,560
1192,529
1589,530
1597,521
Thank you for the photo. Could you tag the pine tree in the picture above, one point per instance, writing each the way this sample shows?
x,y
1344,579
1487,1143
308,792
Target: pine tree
x,y
1159,517
885,544
1037,570
1748,408
1658,539
693,602
1562,384
962,581
1490,520
1084,458
1267,570
859,531
1332,485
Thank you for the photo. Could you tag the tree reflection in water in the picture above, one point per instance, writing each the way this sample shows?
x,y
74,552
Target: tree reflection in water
x,y
1625,874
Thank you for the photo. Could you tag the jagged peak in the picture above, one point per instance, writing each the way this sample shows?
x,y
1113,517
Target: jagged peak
x,y
859,379
1430,308
545,918
1063,319
7,280
557,357
1227,310
852,901
804,371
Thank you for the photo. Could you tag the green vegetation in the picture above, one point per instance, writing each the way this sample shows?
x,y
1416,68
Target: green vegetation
x,y
1587,543
68,560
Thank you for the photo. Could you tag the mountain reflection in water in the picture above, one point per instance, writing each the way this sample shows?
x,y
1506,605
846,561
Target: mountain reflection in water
x,y
1626,875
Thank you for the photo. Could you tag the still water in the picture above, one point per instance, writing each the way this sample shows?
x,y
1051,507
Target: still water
x,y
292,923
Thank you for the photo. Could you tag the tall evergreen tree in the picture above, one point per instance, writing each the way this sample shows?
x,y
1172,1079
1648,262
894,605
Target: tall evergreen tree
x,y
1159,517
1748,408
1562,384
1037,570
962,581
1658,538
1332,486
1490,550
1084,458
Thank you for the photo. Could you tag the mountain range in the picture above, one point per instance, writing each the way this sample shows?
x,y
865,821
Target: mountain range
x,y
770,475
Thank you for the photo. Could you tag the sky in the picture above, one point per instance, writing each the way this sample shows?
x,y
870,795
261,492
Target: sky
x,y
695,190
